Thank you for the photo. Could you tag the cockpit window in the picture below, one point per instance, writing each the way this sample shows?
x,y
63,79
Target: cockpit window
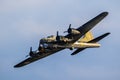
x,y
50,36
45,45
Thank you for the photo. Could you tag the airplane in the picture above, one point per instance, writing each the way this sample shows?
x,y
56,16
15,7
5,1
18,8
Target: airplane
x,y
80,39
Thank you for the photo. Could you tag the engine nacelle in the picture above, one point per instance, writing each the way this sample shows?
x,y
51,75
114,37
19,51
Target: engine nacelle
x,y
71,48
31,53
74,31
61,39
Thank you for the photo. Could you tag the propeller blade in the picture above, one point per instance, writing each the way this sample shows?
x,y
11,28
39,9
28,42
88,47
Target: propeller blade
x,y
29,52
69,29
26,55
69,25
57,33
30,49
57,37
65,31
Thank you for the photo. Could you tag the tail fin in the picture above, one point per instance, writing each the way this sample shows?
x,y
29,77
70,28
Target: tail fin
x,y
87,37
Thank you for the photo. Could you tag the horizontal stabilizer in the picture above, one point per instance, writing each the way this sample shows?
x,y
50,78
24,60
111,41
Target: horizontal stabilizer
x,y
78,50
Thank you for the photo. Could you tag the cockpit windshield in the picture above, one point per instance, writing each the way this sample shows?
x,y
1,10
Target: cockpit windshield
x,y
44,45
52,36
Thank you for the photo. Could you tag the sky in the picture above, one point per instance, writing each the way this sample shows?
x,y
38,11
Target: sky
x,y
24,22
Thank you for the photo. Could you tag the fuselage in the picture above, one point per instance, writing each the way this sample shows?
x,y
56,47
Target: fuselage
x,y
50,43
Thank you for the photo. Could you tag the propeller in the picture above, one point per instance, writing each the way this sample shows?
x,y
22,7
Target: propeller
x,y
30,49
69,29
57,37
30,53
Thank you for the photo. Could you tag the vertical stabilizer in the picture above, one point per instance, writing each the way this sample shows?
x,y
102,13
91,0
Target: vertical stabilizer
x,y
87,37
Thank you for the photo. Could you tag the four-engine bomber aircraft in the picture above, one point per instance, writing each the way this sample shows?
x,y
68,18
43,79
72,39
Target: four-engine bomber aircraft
x,y
79,39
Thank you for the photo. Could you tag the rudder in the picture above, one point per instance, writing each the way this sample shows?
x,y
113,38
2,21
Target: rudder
x,y
87,37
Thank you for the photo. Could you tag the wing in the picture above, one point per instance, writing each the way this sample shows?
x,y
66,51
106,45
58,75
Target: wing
x,y
88,26
39,56
92,41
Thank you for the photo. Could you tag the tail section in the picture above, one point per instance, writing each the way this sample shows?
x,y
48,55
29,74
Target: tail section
x,y
99,38
91,41
87,37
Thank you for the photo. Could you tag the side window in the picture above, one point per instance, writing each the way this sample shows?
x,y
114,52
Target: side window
x,y
45,45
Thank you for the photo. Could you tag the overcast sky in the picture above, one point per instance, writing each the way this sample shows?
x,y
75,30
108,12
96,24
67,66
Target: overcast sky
x,y
24,22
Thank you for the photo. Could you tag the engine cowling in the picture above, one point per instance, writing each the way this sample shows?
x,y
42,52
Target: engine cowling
x,y
71,48
72,30
61,38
